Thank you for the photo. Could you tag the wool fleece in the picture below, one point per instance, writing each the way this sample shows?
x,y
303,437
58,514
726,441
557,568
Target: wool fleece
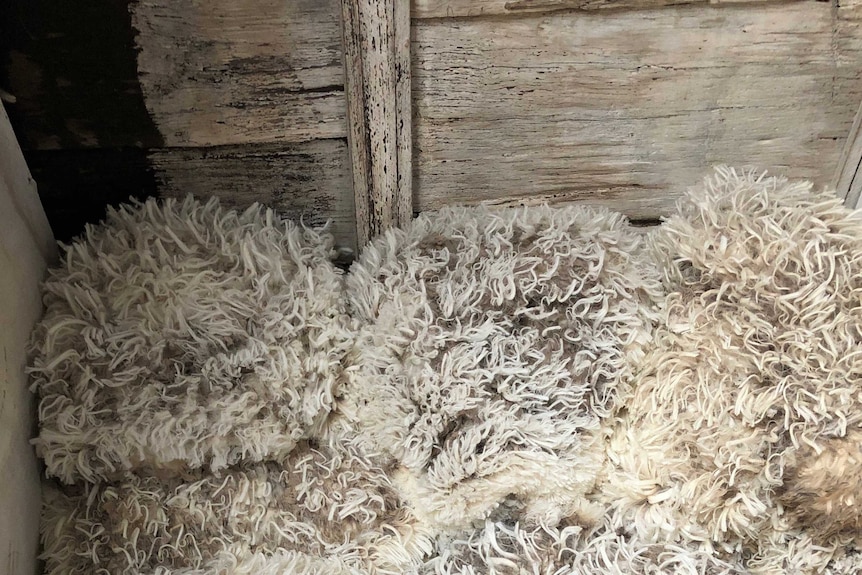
x,y
492,346
742,432
179,335
325,510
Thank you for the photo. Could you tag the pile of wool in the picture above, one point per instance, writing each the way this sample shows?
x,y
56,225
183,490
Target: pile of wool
x,y
492,345
325,510
743,431
179,335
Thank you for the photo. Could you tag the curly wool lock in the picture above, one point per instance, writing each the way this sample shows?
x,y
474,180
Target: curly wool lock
x,y
492,345
180,335
741,433
327,510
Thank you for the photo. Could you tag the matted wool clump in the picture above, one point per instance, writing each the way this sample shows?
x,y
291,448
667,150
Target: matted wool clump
x,y
743,429
180,335
327,510
492,345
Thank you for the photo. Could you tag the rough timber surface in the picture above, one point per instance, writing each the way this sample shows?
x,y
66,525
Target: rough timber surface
x,y
307,182
225,72
628,108
377,74
472,8
112,98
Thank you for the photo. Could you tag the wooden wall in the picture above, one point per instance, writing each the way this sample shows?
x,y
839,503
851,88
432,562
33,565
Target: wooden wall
x,y
244,100
625,102
618,102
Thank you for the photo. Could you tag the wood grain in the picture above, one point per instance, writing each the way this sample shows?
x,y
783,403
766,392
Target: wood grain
x,y
628,109
378,107
308,182
476,8
224,72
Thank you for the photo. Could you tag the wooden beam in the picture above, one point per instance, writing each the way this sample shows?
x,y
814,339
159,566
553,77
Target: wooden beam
x,y
848,175
476,8
377,82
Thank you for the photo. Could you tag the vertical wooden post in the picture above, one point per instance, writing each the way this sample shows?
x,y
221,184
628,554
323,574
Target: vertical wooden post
x,y
377,83
848,176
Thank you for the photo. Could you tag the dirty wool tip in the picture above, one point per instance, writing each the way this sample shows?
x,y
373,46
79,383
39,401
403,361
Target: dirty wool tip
x,y
179,335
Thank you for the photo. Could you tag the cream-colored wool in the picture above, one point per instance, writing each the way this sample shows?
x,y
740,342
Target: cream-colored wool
x,y
493,344
180,335
505,548
755,366
326,510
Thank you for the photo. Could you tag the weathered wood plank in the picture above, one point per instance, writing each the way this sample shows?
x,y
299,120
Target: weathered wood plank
x,y
848,176
474,8
627,109
378,107
224,72
26,246
308,182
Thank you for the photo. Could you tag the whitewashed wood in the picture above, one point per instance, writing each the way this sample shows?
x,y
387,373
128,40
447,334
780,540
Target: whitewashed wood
x,y
403,111
26,246
377,134
308,182
848,176
473,8
628,109
226,72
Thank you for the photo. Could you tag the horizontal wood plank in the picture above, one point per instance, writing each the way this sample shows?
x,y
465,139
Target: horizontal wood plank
x,y
476,8
224,72
627,109
309,182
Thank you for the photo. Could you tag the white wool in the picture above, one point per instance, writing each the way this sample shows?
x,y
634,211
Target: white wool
x,y
492,345
755,363
180,335
328,510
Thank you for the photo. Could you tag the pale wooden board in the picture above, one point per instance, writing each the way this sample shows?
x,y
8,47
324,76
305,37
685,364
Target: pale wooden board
x,y
627,109
309,181
25,248
377,71
848,173
225,72
473,8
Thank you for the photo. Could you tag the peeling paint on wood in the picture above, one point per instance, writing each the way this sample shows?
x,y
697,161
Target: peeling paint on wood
x,y
628,109
308,182
376,46
224,72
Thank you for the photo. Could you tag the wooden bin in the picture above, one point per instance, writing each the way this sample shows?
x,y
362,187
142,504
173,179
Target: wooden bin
x,y
368,111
